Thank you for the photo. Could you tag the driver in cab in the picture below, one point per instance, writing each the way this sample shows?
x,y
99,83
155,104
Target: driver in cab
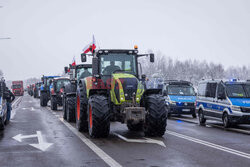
x,y
110,69
85,74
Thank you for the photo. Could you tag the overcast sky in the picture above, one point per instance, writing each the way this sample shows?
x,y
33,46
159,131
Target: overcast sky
x,y
46,34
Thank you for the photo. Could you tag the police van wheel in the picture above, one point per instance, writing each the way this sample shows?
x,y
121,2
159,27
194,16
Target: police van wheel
x,y
202,120
226,121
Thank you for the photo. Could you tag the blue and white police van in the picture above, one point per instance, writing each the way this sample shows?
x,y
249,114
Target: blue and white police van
x,y
179,97
226,101
3,106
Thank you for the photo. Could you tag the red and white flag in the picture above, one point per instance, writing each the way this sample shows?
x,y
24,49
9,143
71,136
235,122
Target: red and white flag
x,y
90,47
73,61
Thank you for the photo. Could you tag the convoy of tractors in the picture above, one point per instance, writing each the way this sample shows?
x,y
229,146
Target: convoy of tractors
x,y
113,88
109,89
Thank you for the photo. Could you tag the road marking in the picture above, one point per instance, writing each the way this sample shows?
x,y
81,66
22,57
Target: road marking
x,y
42,145
213,125
105,157
212,145
145,140
13,112
231,129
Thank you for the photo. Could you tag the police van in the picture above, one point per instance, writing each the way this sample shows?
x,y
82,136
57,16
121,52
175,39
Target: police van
x,y
226,101
179,97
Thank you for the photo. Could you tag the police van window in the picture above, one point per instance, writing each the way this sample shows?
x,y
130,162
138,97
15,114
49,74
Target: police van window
x,y
247,88
211,90
221,89
202,89
235,90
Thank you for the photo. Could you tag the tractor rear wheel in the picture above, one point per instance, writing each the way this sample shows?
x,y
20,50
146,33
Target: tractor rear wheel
x,y
53,104
156,118
81,112
98,116
43,99
64,107
70,109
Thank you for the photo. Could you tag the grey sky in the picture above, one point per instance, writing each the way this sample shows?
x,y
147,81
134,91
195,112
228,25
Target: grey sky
x,y
46,34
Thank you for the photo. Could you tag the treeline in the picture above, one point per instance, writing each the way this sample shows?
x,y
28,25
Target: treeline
x,y
190,70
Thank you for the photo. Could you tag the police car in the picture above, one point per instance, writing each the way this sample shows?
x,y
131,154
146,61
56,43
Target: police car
x,y
226,101
3,106
179,97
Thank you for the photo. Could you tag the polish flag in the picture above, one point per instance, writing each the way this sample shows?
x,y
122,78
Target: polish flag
x,y
73,62
90,47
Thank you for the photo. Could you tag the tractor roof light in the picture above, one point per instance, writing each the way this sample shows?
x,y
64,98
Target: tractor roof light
x,y
136,47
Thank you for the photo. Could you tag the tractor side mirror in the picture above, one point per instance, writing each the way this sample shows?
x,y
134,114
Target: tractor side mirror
x,y
66,70
152,57
95,66
83,57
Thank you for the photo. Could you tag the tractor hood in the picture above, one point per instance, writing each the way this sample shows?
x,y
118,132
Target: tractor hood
x,y
125,86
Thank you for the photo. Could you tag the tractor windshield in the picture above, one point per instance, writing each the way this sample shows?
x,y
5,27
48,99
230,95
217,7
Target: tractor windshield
x,y
112,62
61,83
82,73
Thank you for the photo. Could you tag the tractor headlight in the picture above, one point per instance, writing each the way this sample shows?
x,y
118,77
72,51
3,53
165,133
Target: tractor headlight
x,y
122,98
236,108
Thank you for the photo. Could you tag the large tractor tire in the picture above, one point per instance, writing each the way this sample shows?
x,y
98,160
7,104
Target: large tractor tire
x,y
43,99
81,110
70,109
2,124
135,127
156,117
53,104
98,116
64,107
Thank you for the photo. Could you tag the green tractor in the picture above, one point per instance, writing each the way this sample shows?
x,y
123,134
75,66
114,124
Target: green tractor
x,y
117,92
76,73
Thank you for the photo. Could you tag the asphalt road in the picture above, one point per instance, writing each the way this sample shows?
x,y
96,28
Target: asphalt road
x,y
37,136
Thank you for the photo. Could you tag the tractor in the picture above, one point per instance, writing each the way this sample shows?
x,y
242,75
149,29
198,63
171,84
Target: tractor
x,y
45,89
76,73
56,91
117,92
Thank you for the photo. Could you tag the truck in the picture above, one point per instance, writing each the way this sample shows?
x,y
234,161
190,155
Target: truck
x,y
17,88
116,91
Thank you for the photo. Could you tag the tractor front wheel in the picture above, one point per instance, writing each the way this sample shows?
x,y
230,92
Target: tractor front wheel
x,y
70,109
156,117
98,116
